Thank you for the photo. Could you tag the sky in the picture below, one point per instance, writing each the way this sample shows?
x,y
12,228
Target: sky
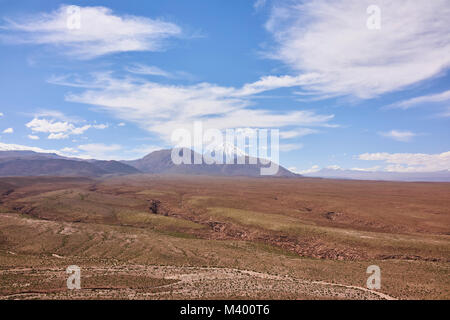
x,y
352,84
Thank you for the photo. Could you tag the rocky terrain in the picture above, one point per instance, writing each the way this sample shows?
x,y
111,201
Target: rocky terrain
x,y
184,237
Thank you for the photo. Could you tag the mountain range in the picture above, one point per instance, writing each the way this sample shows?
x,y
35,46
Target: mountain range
x,y
29,163
161,162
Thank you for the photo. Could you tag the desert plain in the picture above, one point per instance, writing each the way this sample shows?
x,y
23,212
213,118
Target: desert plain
x,y
197,237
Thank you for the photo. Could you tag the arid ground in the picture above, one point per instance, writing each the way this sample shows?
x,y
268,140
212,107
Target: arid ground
x,y
180,237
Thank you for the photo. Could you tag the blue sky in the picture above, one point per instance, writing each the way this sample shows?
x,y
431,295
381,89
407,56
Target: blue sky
x,y
341,94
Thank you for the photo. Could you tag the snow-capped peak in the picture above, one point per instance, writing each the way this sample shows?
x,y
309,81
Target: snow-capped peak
x,y
227,149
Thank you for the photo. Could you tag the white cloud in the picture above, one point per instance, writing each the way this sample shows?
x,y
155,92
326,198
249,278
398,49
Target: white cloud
x,y
163,108
258,4
56,115
100,126
148,70
101,32
297,133
18,147
330,40
69,150
57,136
32,137
98,147
97,151
44,125
1,114
445,114
334,167
80,130
122,124
100,151
143,69
371,169
9,130
267,83
399,135
410,162
59,129
314,168
286,147
423,100
144,150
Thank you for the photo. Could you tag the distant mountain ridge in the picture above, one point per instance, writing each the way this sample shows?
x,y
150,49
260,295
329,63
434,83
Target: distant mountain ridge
x,y
160,162
19,154
30,163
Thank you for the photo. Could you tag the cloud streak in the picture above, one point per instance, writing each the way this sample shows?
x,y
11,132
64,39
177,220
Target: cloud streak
x,y
410,162
331,40
100,32
418,101
18,147
161,108
399,135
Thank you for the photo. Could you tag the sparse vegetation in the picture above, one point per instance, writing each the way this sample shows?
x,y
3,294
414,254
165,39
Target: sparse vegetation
x,y
220,238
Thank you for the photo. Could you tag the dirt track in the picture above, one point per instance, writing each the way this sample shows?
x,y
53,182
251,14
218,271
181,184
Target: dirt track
x,y
193,283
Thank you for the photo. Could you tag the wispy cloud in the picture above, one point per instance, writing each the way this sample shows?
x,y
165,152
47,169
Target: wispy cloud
x,y
445,113
161,108
145,149
330,39
99,151
56,115
258,4
371,169
8,130
267,83
313,169
100,32
148,70
410,162
142,69
422,100
286,147
297,133
399,135
18,147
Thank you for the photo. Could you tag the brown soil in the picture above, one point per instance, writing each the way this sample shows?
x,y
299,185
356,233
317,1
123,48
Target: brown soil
x,y
155,237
